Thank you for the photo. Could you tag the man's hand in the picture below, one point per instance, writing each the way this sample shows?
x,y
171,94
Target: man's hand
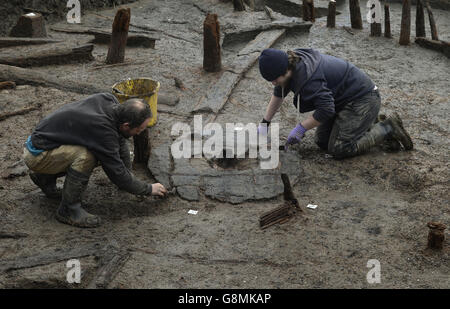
x,y
158,189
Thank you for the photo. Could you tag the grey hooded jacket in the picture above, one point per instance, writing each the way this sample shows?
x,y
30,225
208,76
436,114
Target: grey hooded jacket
x,y
324,83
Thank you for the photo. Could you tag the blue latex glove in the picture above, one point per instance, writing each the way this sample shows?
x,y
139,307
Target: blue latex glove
x,y
296,135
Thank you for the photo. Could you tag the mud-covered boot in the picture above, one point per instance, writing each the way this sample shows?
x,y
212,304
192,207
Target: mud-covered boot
x,y
375,137
70,211
390,144
47,183
398,132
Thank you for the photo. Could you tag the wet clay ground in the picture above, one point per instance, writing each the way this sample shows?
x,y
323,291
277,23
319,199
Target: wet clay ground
x,y
371,207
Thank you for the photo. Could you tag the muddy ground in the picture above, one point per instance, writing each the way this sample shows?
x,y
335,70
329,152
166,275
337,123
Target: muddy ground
x,y
371,207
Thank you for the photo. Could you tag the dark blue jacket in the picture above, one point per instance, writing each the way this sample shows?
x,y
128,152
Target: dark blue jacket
x,y
324,83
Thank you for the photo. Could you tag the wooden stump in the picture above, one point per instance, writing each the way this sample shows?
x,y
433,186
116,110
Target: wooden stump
x,y
31,25
420,20
331,18
355,14
434,34
212,61
142,147
405,30
375,29
7,85
119,37
387,22
308,11
238,5
436,235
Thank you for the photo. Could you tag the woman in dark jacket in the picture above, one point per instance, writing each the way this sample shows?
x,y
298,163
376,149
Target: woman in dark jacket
x,y
344,99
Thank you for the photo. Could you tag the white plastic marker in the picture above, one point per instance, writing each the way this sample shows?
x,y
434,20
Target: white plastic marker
x,y
192,212
312,206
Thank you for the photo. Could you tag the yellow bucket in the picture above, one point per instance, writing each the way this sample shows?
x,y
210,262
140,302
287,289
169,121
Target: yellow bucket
x,y
141,88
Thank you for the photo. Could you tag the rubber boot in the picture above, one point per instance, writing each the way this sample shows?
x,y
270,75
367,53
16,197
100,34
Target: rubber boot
x,y
390,144
70,211
376,136
47,183
398,132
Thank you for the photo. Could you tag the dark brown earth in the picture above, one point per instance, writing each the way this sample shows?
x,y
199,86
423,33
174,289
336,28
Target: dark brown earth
x,y
376,206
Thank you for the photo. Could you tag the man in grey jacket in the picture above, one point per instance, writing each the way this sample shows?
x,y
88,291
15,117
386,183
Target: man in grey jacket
x,y
76,138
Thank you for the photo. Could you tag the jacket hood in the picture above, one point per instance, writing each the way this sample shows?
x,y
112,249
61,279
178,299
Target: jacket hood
x,y
310,60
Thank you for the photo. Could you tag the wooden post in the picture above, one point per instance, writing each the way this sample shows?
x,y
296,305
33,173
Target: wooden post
x,y
405,30
434,35
331,18
238,5
375,29
436,235
308,12
387,22
31,25
420,20
355,14
142,147
212,61
119,37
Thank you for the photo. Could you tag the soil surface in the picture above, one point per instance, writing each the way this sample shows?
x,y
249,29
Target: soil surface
x,y
375,206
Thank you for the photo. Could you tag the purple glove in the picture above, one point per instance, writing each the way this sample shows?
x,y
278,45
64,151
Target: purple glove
x,y
296,135
263,127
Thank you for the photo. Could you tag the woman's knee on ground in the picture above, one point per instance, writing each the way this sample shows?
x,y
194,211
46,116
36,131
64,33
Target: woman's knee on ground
x,y
341,150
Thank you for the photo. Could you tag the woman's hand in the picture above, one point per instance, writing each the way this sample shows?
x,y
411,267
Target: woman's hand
x,y
296,135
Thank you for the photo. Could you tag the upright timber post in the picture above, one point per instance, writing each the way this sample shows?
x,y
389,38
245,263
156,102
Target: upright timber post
x,y
212,61
405,30
387,22
308,12
355,14
238,5
331,18
420,20
142,147
434,35
121,24
31,25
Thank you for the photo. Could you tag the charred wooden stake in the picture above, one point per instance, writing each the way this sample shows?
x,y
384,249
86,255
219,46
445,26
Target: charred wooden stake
x,y
434,34
7,85
420,20
375,29
387,22
288,194
355,14
238,5
212,61
405,30
31,25
142,147
119,37
282,213
331,18
308,11
436,235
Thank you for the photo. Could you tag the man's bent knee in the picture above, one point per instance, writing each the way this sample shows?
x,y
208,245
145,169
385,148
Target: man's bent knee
x,y
85,161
